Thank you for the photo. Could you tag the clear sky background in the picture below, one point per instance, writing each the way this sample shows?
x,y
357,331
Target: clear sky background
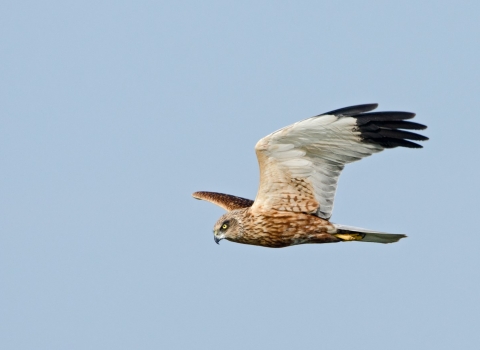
x,y
113,112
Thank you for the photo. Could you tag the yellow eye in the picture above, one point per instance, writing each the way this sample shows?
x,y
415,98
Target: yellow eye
x,y
224,226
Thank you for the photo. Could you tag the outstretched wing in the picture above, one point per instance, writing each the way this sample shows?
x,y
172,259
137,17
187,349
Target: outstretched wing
x,y
300,164
226,201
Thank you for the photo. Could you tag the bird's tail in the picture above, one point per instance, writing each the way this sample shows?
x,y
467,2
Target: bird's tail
x,y
348,233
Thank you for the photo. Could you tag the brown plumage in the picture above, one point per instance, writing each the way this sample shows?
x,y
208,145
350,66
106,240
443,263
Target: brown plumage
x,y
299,169
226,201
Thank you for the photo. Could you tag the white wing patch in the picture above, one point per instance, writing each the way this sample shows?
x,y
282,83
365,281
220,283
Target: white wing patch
x,y
300,164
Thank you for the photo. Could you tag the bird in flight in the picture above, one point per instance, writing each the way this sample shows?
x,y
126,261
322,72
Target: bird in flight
x,y
299,169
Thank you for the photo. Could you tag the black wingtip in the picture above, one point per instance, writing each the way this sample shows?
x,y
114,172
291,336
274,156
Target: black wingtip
x,y
388,142
383,128
353,110
384,116
394,124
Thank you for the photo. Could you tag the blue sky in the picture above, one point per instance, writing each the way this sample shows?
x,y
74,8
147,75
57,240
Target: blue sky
x,y
113,113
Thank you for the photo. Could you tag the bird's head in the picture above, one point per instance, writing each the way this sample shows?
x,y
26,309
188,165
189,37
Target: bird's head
x,y
229,226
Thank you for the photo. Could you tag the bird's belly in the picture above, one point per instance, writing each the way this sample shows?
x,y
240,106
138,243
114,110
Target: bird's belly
x,y
283,229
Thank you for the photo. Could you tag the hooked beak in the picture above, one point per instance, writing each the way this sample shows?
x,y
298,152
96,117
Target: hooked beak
x,y
215,237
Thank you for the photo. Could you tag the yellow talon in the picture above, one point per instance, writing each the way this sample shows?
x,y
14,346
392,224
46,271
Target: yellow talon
x,y
349,237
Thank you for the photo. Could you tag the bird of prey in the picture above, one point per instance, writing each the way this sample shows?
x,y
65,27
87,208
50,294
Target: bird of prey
x,y
299,169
